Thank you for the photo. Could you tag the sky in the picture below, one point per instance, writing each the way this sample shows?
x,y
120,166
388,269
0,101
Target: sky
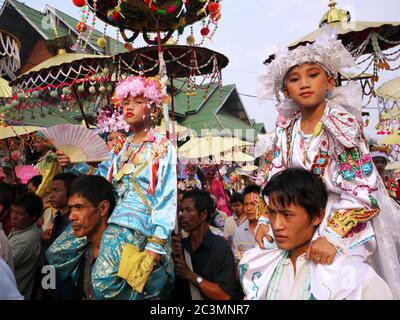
x,y
249,31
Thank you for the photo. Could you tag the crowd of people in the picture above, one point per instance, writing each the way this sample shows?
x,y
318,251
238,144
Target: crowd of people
x,y
320,224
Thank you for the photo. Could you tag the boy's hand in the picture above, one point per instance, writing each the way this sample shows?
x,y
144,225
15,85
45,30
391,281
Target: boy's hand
x,y
262,231
63,159
321,251
156,258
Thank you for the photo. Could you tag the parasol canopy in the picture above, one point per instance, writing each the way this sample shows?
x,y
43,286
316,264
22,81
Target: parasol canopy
x,y
391,139
181,61
355,33
180,131
393,166
136,15
5,89
390,90
9,53
249,168
234,156
360,38
63,68
209,145
15,131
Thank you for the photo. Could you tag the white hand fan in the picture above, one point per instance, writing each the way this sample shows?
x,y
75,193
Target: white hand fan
x,y
77,142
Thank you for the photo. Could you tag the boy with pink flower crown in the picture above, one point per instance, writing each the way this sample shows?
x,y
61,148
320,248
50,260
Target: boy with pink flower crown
x,y
134,261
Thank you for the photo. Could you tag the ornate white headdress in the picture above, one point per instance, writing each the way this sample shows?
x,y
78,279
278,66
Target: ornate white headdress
x,y
325,51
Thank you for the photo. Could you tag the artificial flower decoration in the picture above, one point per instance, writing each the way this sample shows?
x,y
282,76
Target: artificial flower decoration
x,y
111,120
147,87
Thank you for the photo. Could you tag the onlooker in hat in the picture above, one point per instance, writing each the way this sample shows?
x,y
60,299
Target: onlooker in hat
x,y
380,157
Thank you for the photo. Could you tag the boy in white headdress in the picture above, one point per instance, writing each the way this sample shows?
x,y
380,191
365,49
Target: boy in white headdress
x,y
320,129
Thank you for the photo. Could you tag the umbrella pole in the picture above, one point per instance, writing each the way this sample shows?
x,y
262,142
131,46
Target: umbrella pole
x,y
11,160
173,110
78,99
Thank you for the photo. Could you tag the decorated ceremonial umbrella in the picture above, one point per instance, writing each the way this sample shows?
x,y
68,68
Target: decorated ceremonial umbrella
x,y
149,16
208,146
360,38
185,62
234,156
180,131
16,131
388,105
9,53
5,89
64,76
8,132
393,166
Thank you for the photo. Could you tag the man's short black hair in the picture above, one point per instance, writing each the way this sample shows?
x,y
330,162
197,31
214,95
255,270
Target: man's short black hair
x,y
202,201
35,180
7,195
253,188
20,188
300,187
32,203
95,189
237,197
67,178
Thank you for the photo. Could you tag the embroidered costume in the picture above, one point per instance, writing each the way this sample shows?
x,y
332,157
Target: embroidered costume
x,y
360,218
144,176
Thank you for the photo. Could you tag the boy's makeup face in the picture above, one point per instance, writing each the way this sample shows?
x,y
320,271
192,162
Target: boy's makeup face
x,y
134,109
308,84
291,225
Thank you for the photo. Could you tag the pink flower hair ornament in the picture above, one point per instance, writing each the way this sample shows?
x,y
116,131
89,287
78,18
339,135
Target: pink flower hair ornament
x,y
139,86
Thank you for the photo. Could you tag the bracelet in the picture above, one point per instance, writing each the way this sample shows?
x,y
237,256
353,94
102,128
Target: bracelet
x,y
157,240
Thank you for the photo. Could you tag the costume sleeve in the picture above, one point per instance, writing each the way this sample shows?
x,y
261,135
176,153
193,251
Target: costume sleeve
x,y
51,169
164,212
85,169
353,174
278,162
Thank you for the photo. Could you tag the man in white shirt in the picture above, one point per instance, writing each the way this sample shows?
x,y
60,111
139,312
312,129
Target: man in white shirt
x,y
243,237
8,285
237,218
284,273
